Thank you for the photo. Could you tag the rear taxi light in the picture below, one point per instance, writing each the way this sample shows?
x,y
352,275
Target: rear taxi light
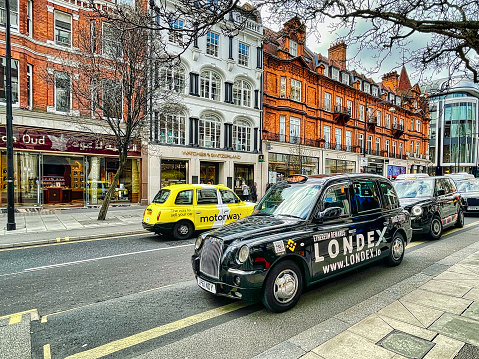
x,y
158,216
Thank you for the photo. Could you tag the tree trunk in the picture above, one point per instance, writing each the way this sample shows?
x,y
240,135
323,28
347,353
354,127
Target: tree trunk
x,y
111,190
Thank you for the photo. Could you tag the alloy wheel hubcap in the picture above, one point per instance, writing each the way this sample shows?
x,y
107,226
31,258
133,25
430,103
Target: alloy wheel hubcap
x,y
397,249
436,227
183,229
285,286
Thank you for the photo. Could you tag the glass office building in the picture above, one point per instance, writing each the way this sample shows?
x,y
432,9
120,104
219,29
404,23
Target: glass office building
x,y
453,129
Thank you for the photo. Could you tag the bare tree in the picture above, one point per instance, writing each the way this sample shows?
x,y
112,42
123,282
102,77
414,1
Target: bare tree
x,y
432,34
113,78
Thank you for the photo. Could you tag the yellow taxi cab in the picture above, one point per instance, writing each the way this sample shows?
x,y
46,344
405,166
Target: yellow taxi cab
x,y
182,209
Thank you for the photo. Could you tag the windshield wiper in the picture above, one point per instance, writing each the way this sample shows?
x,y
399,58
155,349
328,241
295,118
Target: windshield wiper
x,y
289,215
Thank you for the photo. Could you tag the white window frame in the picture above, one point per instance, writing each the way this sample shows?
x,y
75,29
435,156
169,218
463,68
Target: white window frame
x,y
400,148
294,130
111,43
242,93
335,74
172,78
378,118
339,104
14,15
395,121
64,18
367,87
57,74
388,120
374,91
293,48
394,148
30,18
212,43
327,136
417,147
243,54
176,37
242,135
15,81
345,78
378,145
338,140
349,105
30,86
387,146
361,112
370,142
327,101
349,140
105,89
210,85
418,125
210,131
282,128
173,127
282,87
295,94
360,141
412,124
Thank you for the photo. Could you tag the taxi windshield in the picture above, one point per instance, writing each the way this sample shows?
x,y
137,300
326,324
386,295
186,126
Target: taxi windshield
x,y
161,196
414,188
468,186
289,200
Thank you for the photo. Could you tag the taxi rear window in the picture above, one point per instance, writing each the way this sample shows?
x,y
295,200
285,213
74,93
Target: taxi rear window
x,y
161,196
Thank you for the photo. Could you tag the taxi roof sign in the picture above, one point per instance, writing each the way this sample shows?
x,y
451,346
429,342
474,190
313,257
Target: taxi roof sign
x,y
297,179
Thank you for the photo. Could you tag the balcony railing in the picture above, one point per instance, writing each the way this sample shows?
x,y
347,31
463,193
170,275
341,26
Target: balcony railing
x,y
320,143
341,114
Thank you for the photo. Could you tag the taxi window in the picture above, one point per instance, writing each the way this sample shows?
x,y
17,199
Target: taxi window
x,y
442,183
206,196
390,197
184,197
228,196
337,196
161,196
365,196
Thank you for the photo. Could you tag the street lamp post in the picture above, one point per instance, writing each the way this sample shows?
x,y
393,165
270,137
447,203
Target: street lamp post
x,y
9,125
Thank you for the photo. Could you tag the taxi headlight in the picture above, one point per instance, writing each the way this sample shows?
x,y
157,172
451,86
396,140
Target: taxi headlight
x,y
243,254
416,211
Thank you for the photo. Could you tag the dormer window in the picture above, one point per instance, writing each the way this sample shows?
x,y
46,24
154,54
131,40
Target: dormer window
x,y
345,78
375,91
293,48
335,74
367,87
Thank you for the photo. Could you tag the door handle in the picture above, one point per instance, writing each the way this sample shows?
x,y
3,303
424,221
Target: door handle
x,y
198,212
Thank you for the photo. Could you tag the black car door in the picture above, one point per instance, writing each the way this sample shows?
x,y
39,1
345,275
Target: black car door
x,y
328,235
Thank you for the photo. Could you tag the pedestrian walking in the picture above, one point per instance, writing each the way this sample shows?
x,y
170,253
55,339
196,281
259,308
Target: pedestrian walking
x,y
245,189
254,192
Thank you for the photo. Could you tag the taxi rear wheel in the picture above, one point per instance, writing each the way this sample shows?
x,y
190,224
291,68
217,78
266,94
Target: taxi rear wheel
x,y
183,230
460,219
283,287
435,227
396,254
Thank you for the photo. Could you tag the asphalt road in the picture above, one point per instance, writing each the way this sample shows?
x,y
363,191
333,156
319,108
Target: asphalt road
x,y
123,297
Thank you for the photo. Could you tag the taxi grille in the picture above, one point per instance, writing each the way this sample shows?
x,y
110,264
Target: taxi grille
x,y
473,201
211,256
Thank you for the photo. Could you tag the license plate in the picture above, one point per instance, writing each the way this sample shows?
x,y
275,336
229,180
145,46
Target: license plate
x,y
210,287
473,208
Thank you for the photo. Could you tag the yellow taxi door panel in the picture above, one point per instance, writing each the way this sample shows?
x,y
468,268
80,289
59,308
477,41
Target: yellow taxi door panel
x,y
182,209
232,206
208,210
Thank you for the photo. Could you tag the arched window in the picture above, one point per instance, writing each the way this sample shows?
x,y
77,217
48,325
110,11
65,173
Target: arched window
x,y
242,93
172,78
242,135
210,131
169,128
210,85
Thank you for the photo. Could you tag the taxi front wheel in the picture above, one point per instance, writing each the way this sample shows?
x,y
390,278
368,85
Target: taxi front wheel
x,y
183,230
396,254
283,287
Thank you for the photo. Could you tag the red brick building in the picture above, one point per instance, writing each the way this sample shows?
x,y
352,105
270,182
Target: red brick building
x,y
56,161
321,117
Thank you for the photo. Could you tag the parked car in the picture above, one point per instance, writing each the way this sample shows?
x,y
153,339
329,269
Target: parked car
x,y
469,190
459,176
304,230
411,176
181,209
433,202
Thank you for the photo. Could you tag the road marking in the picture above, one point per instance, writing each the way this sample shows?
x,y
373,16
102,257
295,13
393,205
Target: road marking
x,y
72,242
17,317
157,332
100,258
459,229
46,352
414,244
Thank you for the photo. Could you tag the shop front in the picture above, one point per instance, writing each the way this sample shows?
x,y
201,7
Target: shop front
x,y
282,165
243,173
376,166
66,168
173,172
394,171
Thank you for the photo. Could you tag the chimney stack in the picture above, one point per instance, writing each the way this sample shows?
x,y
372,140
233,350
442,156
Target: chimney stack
x,y
337,54
391,80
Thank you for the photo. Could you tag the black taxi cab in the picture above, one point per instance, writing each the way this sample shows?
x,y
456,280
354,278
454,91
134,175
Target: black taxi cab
x,y
305,229
469,190
433,202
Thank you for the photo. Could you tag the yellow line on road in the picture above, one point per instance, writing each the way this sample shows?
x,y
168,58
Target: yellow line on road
x,y
17,315
414,244
458,229
15,318
142,337
46,352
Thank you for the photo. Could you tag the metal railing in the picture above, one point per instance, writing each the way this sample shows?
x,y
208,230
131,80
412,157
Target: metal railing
x,y
319,143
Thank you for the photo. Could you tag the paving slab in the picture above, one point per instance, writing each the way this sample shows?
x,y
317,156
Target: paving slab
x,y
444,348
398,311
284,350
406,344
457,327
459,277
438,301
425,315
410,329
472,312
465,268
473,294
350,345
363,328
446,287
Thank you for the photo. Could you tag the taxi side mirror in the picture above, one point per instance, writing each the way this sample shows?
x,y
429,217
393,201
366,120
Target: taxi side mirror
x,y
328,214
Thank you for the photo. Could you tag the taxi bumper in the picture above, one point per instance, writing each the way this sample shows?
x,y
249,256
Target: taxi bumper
x,y
158,227
234,283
